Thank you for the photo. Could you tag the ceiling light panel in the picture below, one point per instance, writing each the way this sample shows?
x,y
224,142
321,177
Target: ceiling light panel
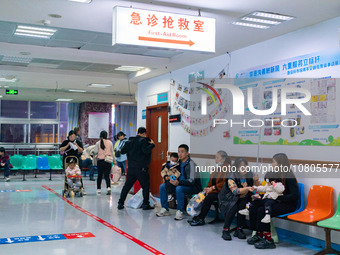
x,y
272,15
13,59
63,100
77,90
99,85
38,32
264,21
129,68
245,24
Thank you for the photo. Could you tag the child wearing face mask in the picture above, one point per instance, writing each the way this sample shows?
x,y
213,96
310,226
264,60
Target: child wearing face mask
x,y
171,170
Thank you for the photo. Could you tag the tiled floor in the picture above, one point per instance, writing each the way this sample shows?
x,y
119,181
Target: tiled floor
x,y
40,212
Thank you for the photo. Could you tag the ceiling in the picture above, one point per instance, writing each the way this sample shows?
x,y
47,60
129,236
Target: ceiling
x,y
81,53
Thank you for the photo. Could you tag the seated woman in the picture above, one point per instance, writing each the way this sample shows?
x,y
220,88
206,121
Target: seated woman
x,y
285,204
215,185
236,193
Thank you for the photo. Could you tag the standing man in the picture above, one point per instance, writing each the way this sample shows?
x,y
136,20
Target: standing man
x,y
138,151
4,162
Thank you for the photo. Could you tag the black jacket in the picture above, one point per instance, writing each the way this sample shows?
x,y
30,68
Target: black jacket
x,y
192,178
227,199
138,150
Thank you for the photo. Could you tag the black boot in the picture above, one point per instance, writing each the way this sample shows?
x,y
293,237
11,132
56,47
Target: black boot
x,y
239,233
226,235
265,244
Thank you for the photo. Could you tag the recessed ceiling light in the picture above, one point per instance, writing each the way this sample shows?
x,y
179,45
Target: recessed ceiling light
x,y
271,15
99,85
13,59
77,90
129,68
35,31
7,79
81,1
127,103
265,21
64,100
6,87
1,96
249,25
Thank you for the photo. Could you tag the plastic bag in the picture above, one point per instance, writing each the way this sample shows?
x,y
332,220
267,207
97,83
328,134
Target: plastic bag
x,y
136,200
195,204
116,173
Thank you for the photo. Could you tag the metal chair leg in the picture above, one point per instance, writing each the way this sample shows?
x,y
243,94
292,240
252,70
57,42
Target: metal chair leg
x,y
328,248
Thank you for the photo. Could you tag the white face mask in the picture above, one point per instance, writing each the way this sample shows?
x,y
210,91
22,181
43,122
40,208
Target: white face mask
x,y
172,163
219,164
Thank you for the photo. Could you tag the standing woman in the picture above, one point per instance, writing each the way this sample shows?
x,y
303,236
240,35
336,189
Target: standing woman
x,y
71,147
103,148
121,158
286,204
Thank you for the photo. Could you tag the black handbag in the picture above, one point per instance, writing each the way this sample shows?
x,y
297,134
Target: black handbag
x,y
118,154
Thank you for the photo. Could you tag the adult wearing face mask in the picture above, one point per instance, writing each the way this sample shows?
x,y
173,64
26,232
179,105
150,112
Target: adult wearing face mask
x,y
217,179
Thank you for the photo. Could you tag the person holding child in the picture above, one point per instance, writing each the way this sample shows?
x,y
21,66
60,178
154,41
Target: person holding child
x,y
73,175
286,203
216,182
273,189
171,171
187,183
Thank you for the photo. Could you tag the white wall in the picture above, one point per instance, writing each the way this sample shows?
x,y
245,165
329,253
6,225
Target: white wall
x,y
316,38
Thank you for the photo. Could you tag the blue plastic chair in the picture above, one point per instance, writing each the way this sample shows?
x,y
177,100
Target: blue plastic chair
x,y
301,202
42,164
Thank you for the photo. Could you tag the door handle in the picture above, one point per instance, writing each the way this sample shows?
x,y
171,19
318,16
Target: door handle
x,y
162,155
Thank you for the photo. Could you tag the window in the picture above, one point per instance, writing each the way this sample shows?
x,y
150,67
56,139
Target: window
x,y
43,133
43,110
35,122
63,112
63,131
14,109
12,133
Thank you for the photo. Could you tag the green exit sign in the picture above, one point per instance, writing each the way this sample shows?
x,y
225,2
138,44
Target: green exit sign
x,y
11,92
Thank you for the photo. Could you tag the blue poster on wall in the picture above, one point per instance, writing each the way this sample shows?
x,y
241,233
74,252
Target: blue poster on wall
x,y
143,114
162,98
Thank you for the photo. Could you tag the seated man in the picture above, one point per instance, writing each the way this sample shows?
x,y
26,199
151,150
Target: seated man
x,y
4,162
87,160
185,185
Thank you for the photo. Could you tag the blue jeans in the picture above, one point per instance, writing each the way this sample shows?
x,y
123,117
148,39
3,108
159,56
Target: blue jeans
x,y
88,163
122,166
6,167
181,191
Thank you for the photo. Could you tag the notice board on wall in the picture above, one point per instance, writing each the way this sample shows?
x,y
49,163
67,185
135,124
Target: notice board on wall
x,y
98,121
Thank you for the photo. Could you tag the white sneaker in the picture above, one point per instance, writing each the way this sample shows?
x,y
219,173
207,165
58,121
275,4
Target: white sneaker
x,y
108,192
99,191
7,179
266,219
163,212
179,215
244,212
